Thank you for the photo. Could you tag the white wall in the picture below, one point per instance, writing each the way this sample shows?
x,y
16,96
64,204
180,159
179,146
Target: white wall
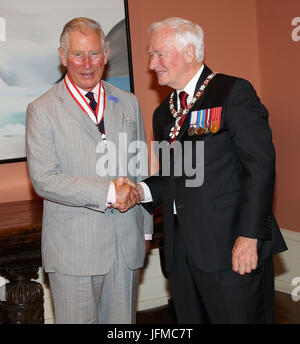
x,y
287,264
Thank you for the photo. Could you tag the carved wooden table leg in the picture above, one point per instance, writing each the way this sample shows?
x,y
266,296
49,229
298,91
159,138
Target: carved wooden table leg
x,y
24,302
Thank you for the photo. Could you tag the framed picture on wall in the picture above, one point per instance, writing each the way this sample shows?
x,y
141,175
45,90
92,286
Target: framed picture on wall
x,y
29,60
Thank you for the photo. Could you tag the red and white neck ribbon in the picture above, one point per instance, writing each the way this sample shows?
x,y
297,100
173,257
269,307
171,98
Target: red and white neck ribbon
x,y
81,100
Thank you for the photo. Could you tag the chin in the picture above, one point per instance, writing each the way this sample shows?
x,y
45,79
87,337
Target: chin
x,y
161,82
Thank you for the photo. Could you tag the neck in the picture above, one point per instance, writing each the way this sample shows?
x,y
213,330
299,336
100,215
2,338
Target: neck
x,y
190,73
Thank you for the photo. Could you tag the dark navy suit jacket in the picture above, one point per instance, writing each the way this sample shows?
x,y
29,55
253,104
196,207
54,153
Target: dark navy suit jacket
x,y
235,198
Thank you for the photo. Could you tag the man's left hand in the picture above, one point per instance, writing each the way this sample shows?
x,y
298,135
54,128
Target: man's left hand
x,y
244,255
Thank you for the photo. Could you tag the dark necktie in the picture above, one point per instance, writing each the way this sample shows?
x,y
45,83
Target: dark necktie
x,y
183,99
93,105
183,105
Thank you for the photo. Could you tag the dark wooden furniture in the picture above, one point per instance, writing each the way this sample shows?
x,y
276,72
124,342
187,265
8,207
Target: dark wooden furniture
x,y
20,258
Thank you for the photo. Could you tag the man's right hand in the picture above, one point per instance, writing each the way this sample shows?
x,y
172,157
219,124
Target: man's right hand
x,y
127,196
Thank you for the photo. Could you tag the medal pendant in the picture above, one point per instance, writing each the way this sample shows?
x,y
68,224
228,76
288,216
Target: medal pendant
x,y
191,131
199,131
174,131
206,130
215,128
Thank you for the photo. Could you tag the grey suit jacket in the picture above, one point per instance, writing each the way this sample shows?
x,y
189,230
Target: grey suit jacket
x,y
79,232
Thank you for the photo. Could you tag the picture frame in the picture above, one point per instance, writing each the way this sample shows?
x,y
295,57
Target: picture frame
x,y
29,60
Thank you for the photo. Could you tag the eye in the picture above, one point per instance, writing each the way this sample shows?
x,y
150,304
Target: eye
x,y
78,55
94,54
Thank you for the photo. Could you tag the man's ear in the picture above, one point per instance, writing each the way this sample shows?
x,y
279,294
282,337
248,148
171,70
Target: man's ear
x,y
189,53
106,55
62,56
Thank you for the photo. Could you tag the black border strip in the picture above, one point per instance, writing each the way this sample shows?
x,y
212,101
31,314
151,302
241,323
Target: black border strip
x,y
129,46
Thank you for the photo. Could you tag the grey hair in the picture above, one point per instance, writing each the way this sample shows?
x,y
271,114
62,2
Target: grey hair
x,y
186,32
82,24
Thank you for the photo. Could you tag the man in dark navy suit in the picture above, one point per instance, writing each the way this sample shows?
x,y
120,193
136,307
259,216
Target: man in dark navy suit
x,y
220,235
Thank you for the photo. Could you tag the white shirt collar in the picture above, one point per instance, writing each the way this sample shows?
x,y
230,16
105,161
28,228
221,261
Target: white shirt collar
x,y
191,86
95,90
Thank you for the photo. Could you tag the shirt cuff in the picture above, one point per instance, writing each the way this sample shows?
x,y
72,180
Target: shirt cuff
x,y
148,236
147,193
111,195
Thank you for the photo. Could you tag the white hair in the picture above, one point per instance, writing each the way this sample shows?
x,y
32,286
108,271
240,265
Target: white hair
x,y
186,32
82,24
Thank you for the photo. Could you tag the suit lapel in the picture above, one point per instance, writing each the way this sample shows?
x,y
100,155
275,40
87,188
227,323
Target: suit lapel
x,y
197,105
73,109
112,116
205,73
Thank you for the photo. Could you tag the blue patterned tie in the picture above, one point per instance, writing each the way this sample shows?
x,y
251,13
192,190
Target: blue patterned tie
x,y
93,105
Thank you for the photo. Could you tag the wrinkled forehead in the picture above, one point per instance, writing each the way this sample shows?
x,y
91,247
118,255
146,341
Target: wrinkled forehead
x,y
84,31
161,39
80,37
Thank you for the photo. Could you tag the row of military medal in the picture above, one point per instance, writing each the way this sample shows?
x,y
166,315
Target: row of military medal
x,y
206,130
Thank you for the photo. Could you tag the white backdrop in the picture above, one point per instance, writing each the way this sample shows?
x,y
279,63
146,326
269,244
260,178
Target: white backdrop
x,y
29,62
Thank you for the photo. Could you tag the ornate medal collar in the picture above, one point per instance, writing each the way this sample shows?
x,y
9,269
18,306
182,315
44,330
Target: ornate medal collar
x,y
178,114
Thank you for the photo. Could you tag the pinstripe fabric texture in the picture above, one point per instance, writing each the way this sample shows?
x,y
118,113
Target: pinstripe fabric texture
x,y
104,299
79,232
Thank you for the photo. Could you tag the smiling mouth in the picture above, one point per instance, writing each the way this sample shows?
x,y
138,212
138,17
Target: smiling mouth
x,y
87,75
158,73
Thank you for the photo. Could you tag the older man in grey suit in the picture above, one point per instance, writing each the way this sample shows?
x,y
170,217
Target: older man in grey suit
x,y
91,251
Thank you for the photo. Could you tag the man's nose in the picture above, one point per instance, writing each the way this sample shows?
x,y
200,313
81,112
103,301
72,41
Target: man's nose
x,y
87,62
153,62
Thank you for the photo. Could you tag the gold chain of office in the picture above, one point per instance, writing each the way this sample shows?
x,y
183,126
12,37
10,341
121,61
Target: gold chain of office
x,y
182,112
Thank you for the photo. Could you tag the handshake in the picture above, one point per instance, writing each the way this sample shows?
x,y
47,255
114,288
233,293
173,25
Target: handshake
x,y
128,194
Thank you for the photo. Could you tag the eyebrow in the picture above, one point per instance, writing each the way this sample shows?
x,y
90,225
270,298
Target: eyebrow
x,y
83,52
155,51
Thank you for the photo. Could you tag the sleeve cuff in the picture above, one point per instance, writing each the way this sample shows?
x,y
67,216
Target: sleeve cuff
x,y
147,193
111,195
